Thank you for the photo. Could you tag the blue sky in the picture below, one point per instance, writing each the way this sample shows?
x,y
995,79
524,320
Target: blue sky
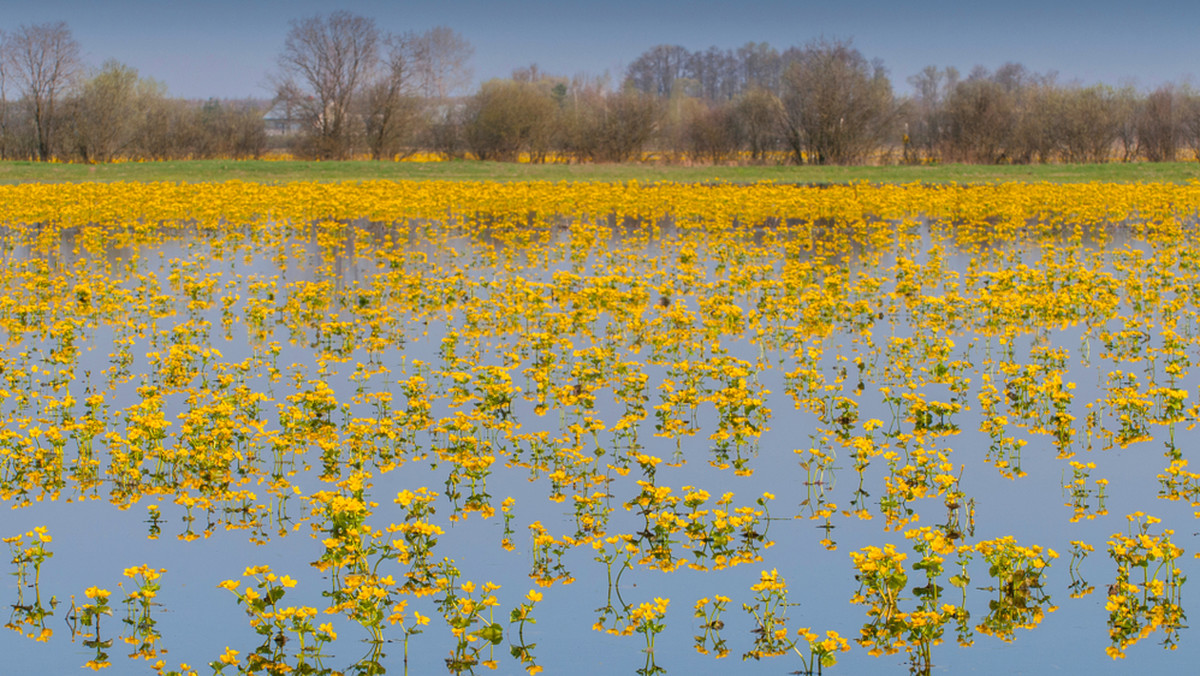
x,y
227,48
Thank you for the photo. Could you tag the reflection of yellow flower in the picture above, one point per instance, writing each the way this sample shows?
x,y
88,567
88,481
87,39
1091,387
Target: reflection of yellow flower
x,y
592,323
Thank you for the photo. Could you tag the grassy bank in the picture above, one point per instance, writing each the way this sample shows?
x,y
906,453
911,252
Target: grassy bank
x,y
192,171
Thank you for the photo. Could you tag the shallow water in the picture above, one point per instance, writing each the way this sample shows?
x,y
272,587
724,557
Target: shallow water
x,y
290,315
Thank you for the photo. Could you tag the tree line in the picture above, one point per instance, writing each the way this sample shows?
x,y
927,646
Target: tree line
x,y
54,107
825,103
345,88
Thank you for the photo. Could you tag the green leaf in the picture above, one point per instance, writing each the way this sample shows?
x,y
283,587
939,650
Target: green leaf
x,y
492,633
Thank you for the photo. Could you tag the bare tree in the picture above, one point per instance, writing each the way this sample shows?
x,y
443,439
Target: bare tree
x,y
391,100
326,61
616,126
759,66
5,71
715,72
981,115
1189,119
1087,124
228,129
440,58
927,126
711,131
757,113
45,62
1040,109
166,131
655,71
836,105
1159,124
445,132
1126,105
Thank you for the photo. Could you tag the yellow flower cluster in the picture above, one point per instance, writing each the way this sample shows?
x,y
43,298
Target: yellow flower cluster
x,y
263,358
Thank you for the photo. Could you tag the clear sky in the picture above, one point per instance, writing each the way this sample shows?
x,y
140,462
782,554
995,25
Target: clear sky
x,y
227,48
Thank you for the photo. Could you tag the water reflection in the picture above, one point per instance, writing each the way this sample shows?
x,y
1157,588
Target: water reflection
x,y
486,443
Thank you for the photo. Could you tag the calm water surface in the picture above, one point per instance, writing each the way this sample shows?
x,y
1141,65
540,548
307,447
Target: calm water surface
x,y
256,308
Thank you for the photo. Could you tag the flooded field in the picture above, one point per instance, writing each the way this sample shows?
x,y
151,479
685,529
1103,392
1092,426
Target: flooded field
x,y
595,428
